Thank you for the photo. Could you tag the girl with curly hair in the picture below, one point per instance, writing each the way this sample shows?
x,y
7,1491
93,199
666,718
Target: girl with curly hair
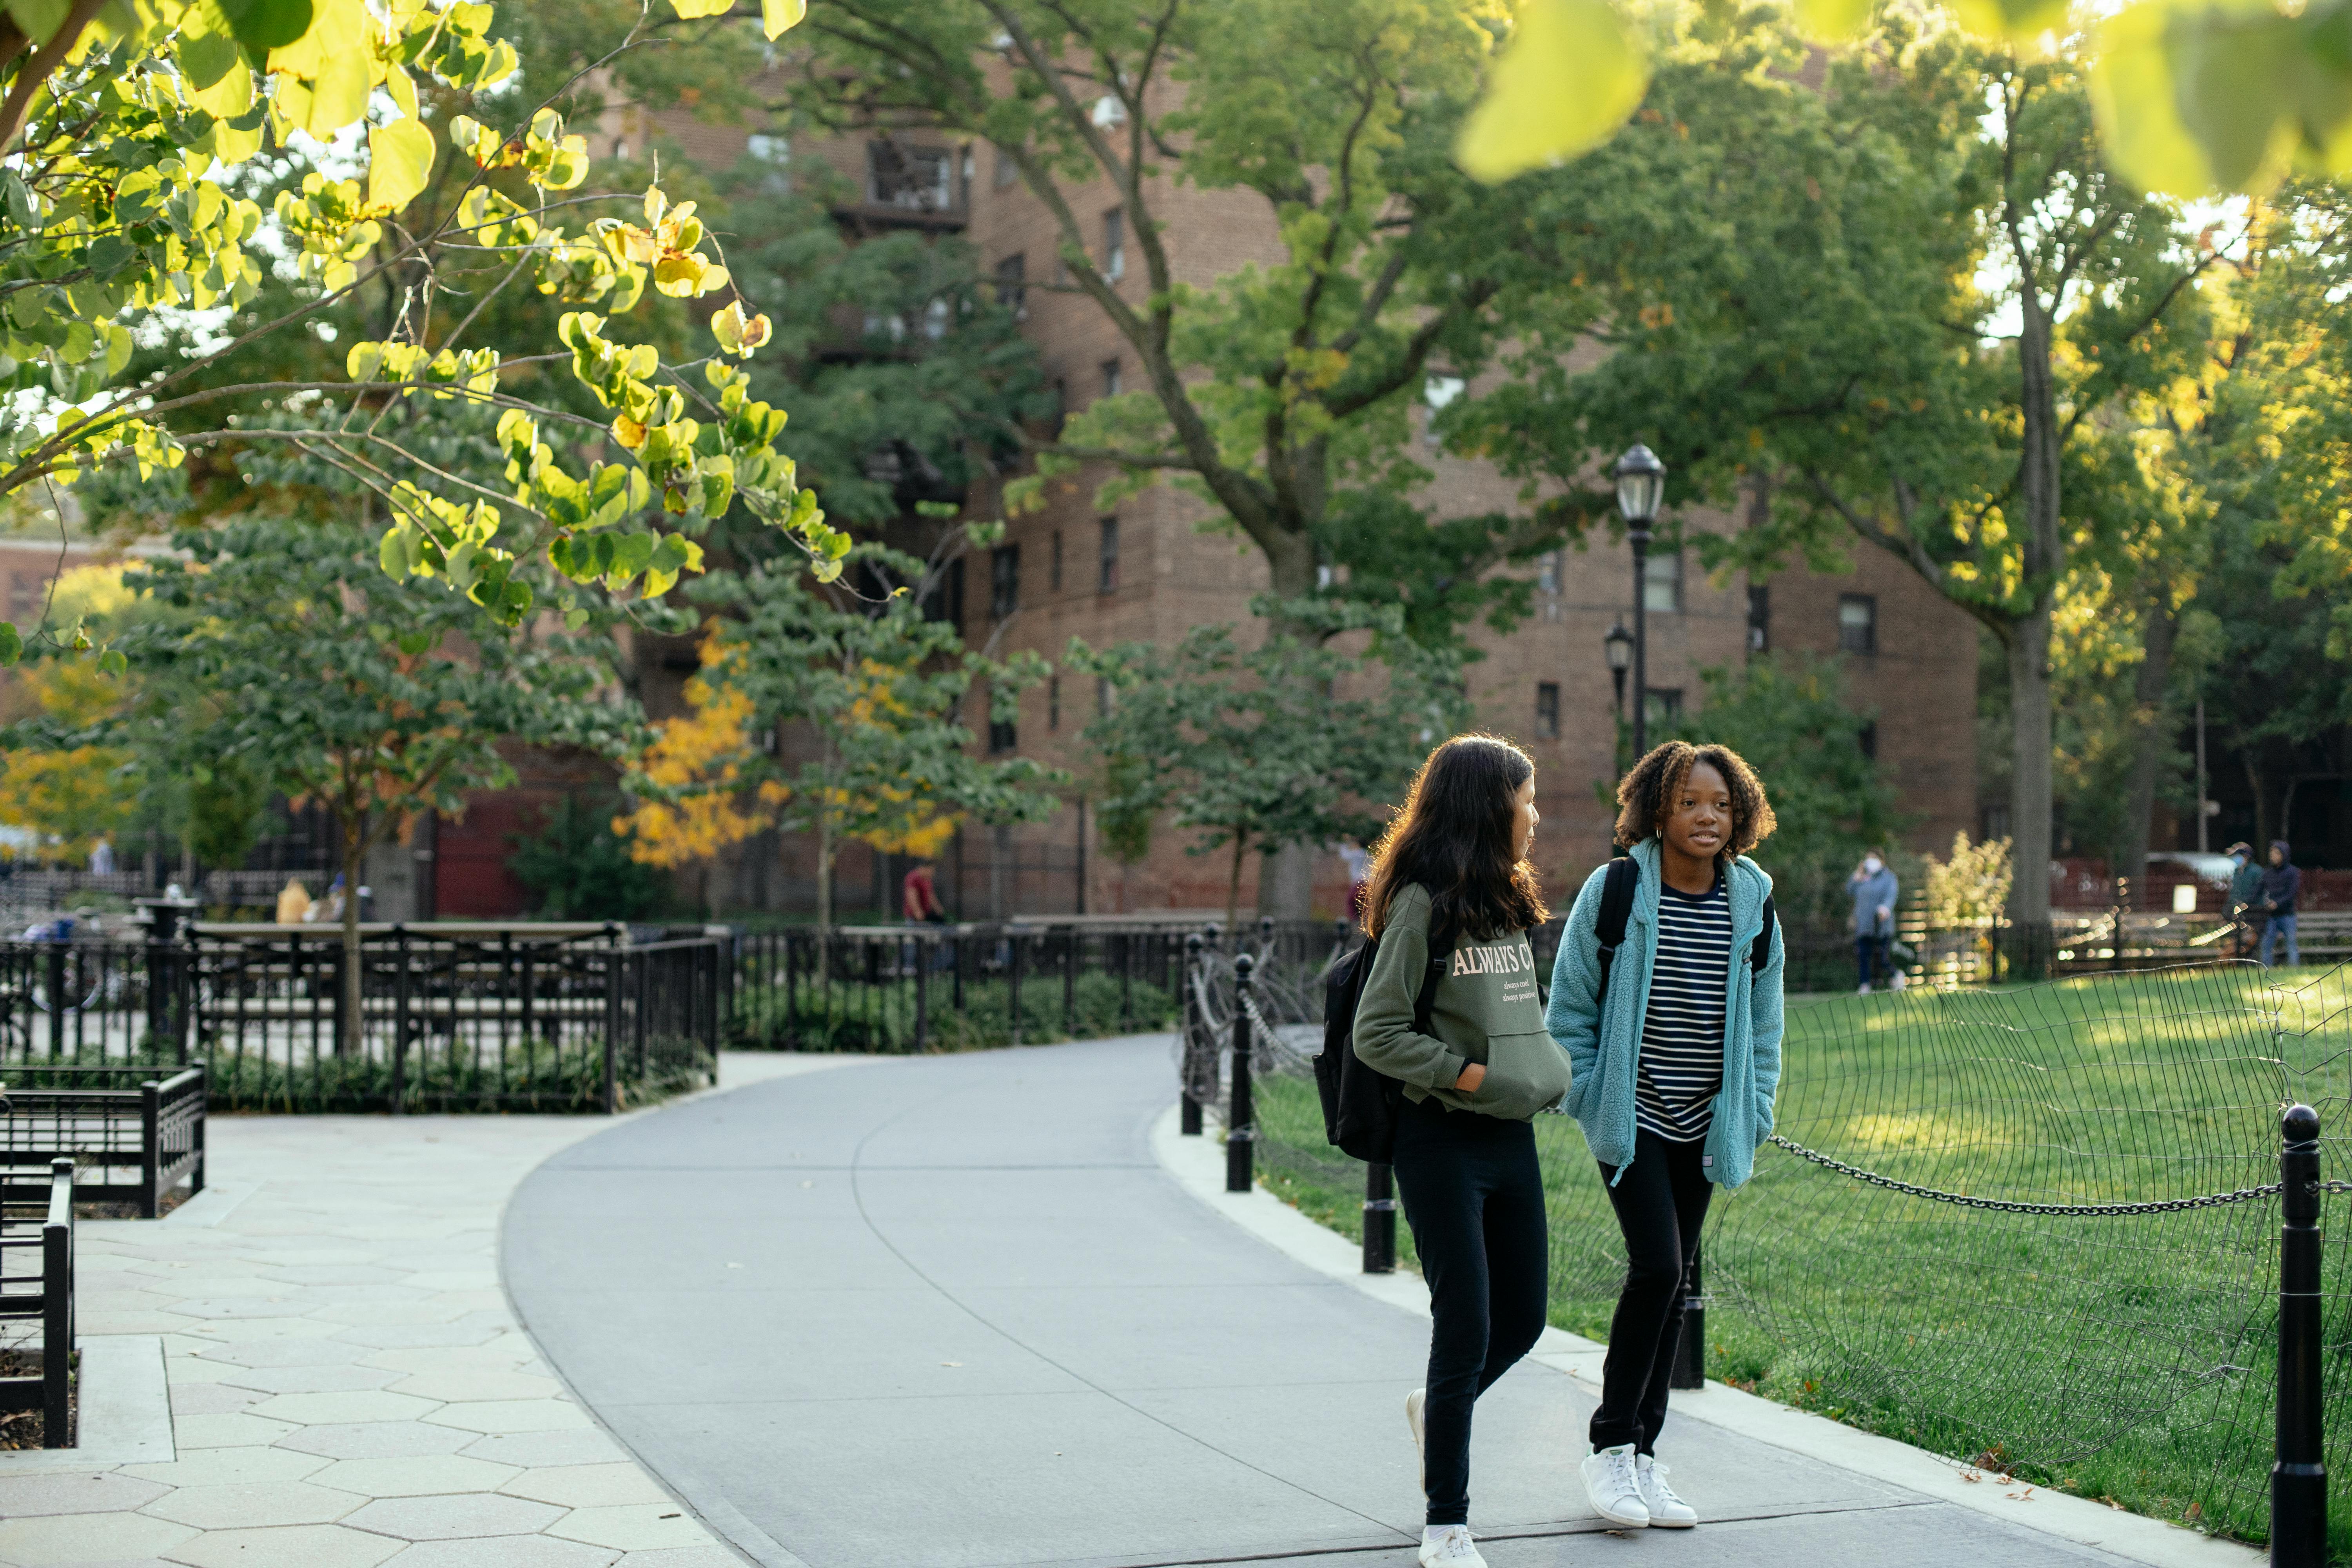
x,y
1675,1043
1450,1010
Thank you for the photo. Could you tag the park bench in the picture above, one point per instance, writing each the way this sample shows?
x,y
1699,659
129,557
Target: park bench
x,y
138,1132
36,1287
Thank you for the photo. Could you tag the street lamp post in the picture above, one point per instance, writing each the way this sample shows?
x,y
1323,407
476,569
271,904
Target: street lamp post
x,y
1619,642
1641,481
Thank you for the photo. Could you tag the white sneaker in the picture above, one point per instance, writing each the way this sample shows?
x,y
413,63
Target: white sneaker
x,y
1900,980
1450,1548
1413,1403
1667,1511
1615,1490
1861,990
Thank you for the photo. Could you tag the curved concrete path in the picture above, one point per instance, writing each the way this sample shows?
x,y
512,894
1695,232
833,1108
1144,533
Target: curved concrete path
x,y
951,1311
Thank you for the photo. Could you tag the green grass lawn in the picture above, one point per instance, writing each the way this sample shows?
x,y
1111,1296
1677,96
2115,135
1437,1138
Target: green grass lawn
x,y
2122,1358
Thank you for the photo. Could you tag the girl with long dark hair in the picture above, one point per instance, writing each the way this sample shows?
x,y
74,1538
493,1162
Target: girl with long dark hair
x,y
1450,1010
1677,1057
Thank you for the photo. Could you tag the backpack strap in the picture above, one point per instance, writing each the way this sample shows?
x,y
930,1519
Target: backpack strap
x,y
1616,907
1427,998
1759,952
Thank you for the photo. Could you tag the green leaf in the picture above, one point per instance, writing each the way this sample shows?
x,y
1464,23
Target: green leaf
x,y
400,163
267,23
112,662
11,646
1565,81
213,66
1832,19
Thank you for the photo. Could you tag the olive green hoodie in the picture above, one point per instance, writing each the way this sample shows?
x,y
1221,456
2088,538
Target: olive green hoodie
x,y
1484,1009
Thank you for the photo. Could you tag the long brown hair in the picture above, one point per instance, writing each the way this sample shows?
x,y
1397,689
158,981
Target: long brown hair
x,y
1645,798
1453,836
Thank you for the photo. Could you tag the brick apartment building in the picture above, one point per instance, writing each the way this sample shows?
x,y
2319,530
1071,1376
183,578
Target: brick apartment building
x,y
1148,573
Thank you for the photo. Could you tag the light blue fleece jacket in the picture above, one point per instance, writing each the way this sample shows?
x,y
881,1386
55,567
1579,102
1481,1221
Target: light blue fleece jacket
x,y
1604,1042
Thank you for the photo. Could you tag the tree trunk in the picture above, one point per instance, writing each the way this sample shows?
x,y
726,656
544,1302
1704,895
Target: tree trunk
x,y
1286,887
2029,785
825,852
2262,811
1233,885
354,1038
2150,712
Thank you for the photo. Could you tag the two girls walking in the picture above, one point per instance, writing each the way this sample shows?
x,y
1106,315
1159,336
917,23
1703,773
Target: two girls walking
x,y
1665,1047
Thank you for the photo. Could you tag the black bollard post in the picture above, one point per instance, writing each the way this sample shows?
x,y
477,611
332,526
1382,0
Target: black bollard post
x,y
2299,1474
1241,1119
1380,1220
1188,1109
1690,1351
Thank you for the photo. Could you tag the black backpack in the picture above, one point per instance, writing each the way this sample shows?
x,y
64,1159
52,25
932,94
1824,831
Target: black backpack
x,y
1617,903
1360,1102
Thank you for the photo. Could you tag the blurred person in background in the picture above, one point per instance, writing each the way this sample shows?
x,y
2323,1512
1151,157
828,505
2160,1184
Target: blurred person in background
x,y
1874,891
2281,883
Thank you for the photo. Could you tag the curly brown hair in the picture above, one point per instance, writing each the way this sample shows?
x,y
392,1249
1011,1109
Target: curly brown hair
x,y
1453,836
1646,795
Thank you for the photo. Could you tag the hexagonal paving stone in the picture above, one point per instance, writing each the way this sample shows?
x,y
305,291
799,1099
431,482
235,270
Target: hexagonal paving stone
x,y
244,1308
511,1415
497,1355
328,1379
637,1527
378,1440
547,1450
23,1496
290,1546
587,1486
229,1467
210,1398
234,1331
474,1383
57,1541
681,1557
378,1313
421,1475
289,1352
227,1431
362,1405
255,1503
510,1552
450,1516
411,1336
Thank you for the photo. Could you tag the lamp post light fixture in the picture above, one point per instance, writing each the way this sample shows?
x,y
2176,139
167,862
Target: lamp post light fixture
x,y
1641,483
1619,642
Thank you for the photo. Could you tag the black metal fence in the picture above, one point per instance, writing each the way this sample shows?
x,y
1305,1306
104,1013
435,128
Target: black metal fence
x,y
930,988
134,1135
37,1291
450,1016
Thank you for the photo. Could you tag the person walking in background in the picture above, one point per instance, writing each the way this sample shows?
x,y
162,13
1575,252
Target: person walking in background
x,y
2281,883
101,857
2245,893
919,897
1673,1039
1873,890
293,902
1450,900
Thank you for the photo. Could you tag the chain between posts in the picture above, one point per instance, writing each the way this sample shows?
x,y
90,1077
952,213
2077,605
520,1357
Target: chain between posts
x,y
2005,1205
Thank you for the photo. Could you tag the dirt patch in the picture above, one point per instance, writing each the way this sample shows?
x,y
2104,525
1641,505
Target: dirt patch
x,y
26,1428
123,1208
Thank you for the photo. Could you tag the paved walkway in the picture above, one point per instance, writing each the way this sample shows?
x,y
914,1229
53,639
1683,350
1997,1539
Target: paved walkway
x,y
953,1312
348,1386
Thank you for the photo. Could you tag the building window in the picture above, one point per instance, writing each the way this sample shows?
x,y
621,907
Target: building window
x,y
1114,245
1054,569
1662,581
1006,171
1548,711
1857,623
1012,286
1436,393
1548,573
1760,618
1107,561
1661,705
1867,738
920,179
774,156
945,600
1053,702
1110,378
1003,735
1004,581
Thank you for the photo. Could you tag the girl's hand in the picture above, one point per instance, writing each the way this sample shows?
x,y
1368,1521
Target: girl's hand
x,y
1472,1076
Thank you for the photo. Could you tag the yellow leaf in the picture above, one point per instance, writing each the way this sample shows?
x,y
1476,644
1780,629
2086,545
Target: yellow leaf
x,y
1829,19
777,17
1564,83
400,163
691,9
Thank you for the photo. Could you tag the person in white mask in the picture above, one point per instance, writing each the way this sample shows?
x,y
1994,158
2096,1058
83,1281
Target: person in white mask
x,y
1873,890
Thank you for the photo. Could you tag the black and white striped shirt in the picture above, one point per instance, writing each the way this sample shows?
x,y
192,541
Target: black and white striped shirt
x,y
1681,1064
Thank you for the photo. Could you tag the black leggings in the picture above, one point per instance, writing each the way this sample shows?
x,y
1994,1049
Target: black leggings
x,y
1660,1204
1474,1195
